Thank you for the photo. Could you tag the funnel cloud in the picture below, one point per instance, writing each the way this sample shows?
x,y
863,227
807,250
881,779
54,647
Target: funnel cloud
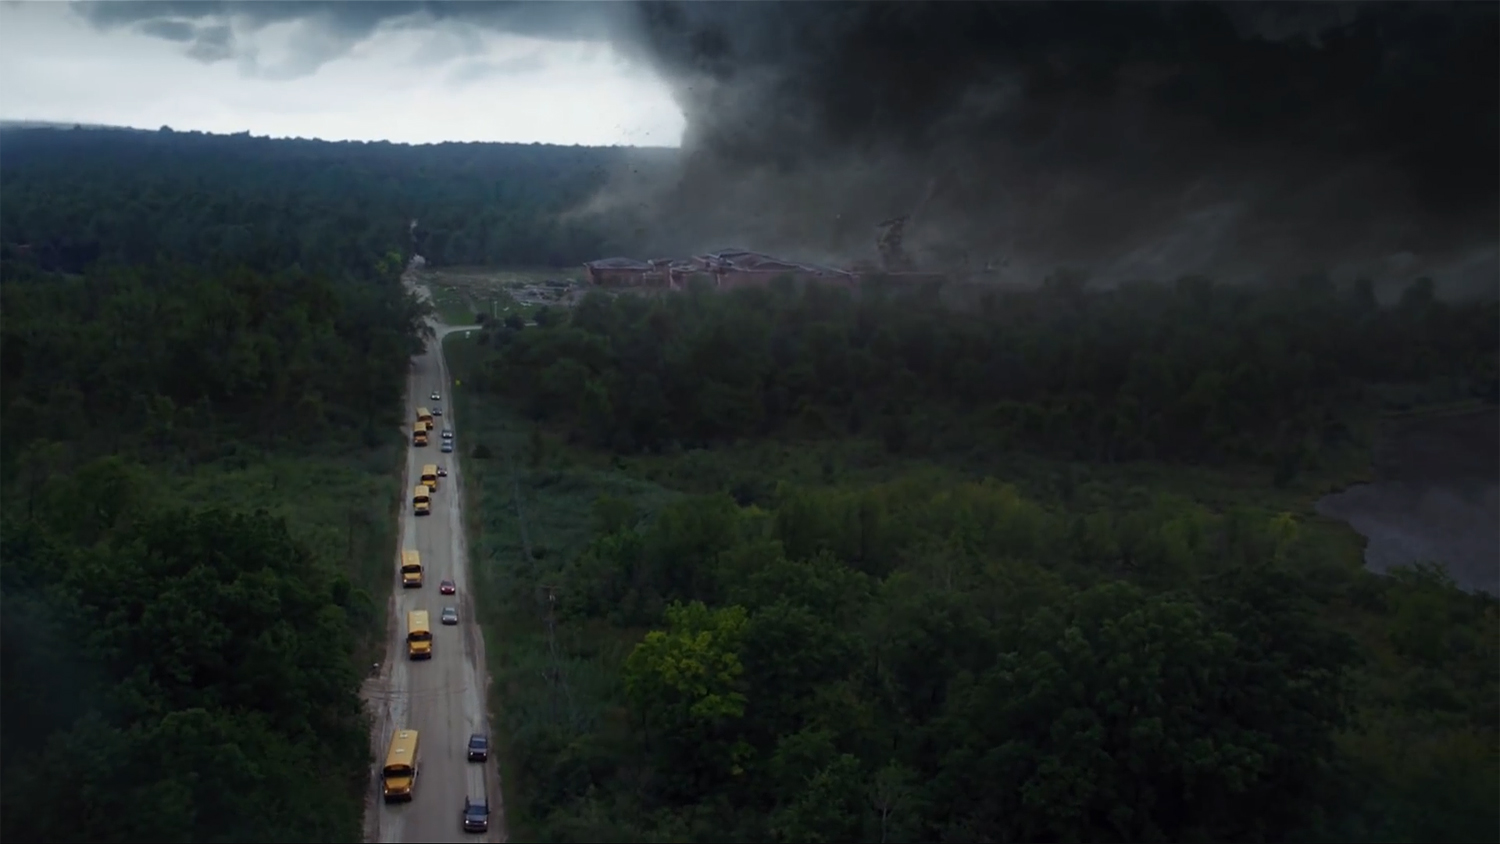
x,y
1243,141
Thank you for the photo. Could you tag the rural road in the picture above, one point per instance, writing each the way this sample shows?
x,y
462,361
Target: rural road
x,y
444,698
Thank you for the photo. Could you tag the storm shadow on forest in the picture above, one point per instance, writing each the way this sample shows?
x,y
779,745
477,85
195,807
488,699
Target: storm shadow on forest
x,y
1242,141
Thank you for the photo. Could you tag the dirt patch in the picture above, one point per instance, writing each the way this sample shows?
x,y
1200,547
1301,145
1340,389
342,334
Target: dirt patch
x,y
1436,498
499,293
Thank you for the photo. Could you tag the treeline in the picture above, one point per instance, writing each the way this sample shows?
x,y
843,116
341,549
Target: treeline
x,y
71,197
176,358
919,662
1191,372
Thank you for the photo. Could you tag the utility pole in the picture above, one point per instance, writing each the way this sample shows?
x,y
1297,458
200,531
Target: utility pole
x,y
554,667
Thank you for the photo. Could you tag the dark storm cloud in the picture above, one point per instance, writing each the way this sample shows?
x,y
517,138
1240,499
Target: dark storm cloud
x,y
212,43
1136,139
333,27
169,30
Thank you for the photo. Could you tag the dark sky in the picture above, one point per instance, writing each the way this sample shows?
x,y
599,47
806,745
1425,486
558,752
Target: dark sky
x,y
1135,138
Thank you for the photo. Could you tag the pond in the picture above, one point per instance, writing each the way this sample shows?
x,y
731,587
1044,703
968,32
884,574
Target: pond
x,y
1436,498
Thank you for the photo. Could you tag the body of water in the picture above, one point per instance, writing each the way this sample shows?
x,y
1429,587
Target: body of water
x,y
1436,498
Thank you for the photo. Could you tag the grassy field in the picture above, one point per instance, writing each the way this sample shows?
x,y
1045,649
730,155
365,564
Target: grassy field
x,y
342,501
459,293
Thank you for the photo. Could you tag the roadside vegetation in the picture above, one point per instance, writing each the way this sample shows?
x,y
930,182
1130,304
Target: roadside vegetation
x,y
200,459
197,544
787,565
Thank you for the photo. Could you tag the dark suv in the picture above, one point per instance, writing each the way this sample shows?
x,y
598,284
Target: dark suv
x,y
476,815
479,748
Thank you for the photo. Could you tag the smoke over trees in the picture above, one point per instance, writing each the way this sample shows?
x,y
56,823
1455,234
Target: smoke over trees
x,y
1242,140
1141,139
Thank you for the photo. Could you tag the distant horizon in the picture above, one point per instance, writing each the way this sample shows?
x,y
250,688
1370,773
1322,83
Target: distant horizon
x,y
65,125
203,67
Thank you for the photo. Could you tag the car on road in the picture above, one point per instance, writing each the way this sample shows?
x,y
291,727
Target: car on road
x,y
436,396
447,433
447,587
476,815
442,471
447,446
437,411
450,615
479,748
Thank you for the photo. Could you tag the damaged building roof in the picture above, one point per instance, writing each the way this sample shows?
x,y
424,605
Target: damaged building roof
x,y
617,264
732,261
747,261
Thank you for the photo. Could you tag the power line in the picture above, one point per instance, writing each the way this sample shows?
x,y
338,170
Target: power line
x,y
546,596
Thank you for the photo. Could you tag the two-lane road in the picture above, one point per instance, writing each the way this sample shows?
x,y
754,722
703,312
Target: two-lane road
x,y
443,698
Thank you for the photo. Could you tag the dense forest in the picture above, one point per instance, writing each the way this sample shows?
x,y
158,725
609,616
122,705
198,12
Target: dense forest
x,y
929,658
1190,372
76,196
929,646
177,664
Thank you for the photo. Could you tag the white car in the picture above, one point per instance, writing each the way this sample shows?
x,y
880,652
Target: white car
x,y
436,396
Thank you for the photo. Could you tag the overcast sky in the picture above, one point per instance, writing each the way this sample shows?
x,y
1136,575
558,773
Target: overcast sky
x,y
441,81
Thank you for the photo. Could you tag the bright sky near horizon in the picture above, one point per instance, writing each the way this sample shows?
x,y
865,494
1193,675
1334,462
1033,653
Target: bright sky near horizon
x,y
439,81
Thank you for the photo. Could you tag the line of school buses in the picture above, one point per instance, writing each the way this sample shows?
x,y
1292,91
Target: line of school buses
x,y
402,762
421,495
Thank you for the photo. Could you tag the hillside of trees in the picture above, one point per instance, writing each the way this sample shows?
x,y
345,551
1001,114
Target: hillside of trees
x,y
944,656
180,659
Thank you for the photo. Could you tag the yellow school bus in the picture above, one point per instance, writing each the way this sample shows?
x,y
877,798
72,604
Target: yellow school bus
x,y
419,434
411,569
421,500
418,635
399,776
425,415
429,476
